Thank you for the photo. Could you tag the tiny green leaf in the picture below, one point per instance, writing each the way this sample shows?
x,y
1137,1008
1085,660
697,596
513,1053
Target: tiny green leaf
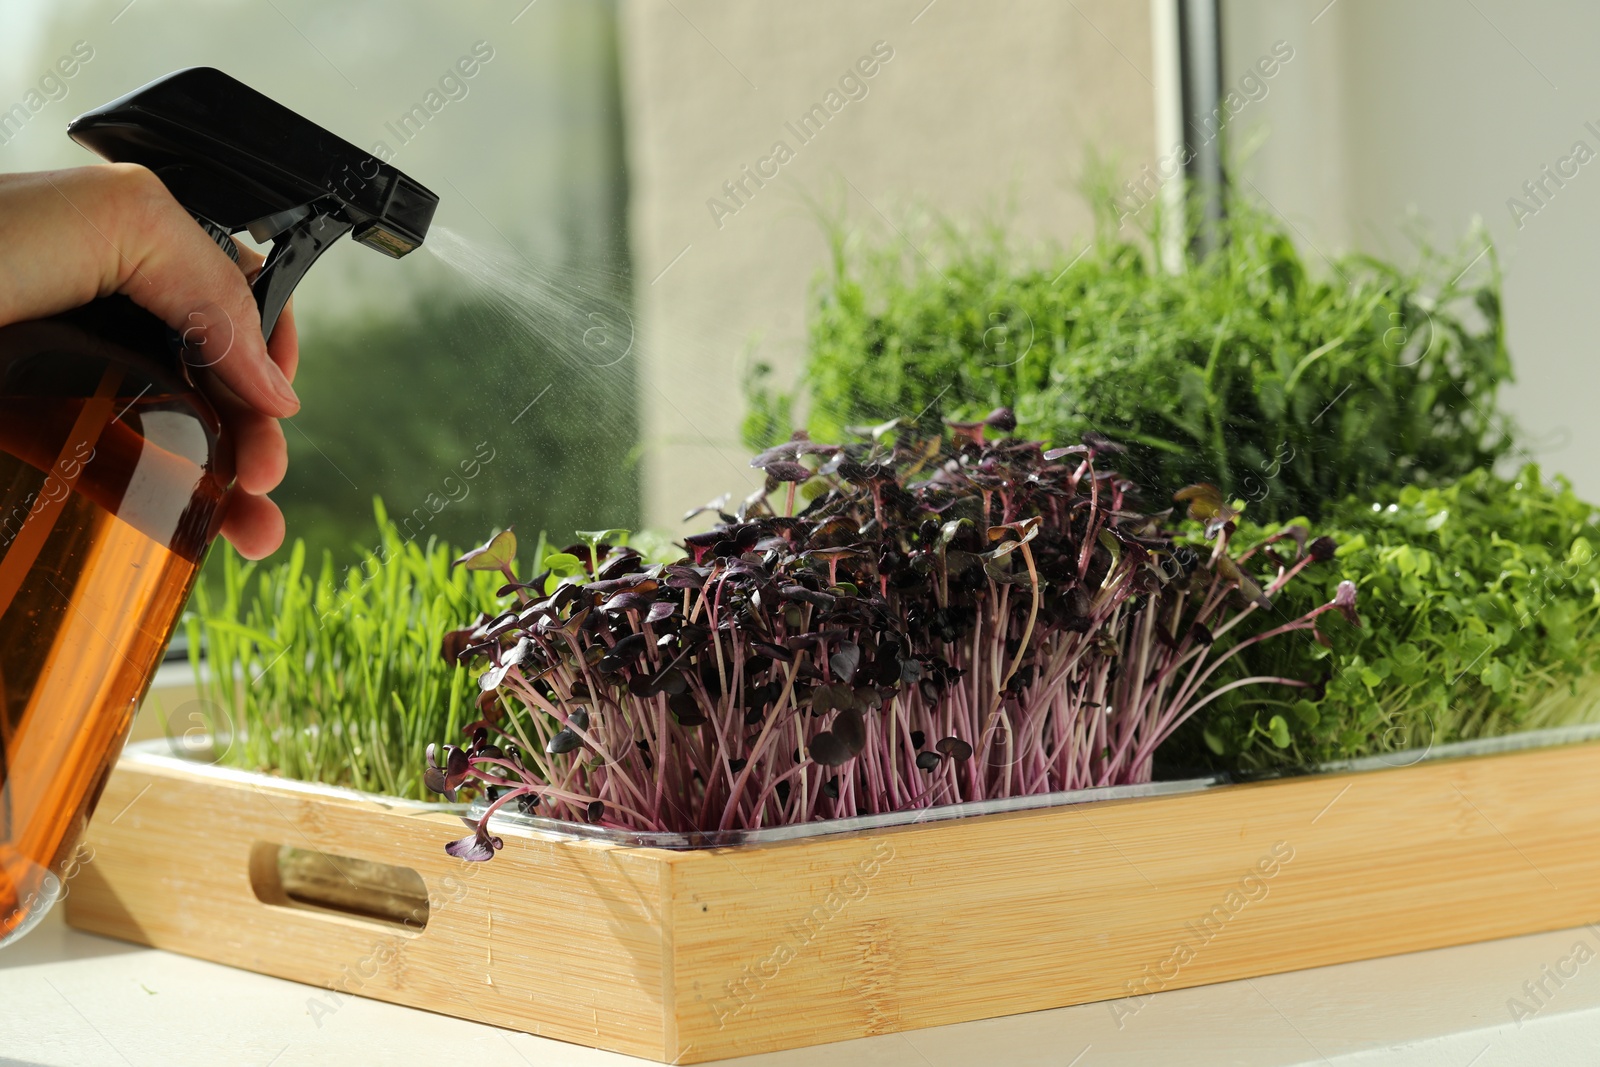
x,y
563,563
1279,729
495,554
596,537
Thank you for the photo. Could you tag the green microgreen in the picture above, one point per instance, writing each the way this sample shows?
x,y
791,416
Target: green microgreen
x,y
335,676
1481,604
1288,386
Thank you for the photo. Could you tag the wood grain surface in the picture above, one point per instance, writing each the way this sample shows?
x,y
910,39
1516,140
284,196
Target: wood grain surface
x,y
694,956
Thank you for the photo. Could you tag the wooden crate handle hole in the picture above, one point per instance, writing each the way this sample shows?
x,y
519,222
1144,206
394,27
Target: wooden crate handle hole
x,y
309,880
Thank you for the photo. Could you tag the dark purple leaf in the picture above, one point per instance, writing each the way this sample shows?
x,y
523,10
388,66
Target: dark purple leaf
x,y
529,616
772,651
845,661
868,698
812,639
1103,444
434,779
684,576
971,432
490,707
639,583
666,681
627,601
623,653
716,505
476,848
454,643
686,709
955,748
1295,533
764,695
825,698
490,680
829,750
574,624
1344,600
867,474
623,561
832,553
456,765
788,472
511,587
562,742
807,596
500,624
1002,420
851,730
798,445
701,545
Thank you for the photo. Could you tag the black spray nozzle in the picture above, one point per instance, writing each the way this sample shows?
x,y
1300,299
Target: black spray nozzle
x,y
240,161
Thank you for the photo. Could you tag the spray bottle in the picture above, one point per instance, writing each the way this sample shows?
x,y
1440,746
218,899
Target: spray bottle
x,y
113,464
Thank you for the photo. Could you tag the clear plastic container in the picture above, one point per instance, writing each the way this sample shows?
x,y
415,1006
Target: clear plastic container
x,y
191,751
823,827
1551,738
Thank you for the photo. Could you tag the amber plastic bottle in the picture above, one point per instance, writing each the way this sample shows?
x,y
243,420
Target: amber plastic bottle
x,y
113,467
112,473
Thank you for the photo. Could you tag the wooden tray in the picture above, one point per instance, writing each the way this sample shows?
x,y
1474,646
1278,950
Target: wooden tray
x,y
688,956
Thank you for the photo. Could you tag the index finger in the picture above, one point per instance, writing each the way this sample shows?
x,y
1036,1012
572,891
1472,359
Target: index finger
x,y
284,344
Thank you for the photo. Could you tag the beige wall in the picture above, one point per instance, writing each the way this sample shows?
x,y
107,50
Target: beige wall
x,y
1435,113
980,101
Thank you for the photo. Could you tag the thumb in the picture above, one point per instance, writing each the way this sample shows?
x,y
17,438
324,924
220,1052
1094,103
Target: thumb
x,y
175,270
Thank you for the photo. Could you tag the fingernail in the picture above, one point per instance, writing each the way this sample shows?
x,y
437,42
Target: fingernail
x,y
285,391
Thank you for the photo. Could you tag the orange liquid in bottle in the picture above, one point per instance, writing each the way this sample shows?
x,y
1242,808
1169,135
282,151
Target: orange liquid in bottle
x,y
108,498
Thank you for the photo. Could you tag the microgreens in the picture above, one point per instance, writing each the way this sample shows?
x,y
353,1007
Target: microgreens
x,y
896,623
1482,608
1245,368
334,677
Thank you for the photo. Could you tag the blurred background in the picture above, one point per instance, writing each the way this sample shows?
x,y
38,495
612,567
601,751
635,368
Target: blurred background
x,y
409,370
638,198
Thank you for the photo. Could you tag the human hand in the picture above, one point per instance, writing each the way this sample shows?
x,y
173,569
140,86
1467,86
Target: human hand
x,y
70,236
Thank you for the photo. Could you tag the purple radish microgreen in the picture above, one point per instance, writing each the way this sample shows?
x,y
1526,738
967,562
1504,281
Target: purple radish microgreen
x,y
1005,599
